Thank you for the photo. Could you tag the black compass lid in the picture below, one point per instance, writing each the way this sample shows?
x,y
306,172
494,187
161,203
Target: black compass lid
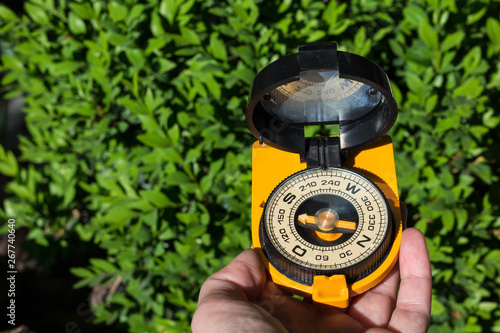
x,y
320,85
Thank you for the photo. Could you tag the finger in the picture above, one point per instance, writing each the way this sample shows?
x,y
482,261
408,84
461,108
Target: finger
x,y
225,301
413,306
302,316
273,290
374,308
243,278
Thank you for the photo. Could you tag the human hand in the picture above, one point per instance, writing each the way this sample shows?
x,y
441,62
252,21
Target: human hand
x,y
242,298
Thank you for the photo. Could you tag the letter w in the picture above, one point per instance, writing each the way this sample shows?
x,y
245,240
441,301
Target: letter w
x,y
352,188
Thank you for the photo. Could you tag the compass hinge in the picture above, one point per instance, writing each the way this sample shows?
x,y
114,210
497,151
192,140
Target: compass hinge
x,y
323,152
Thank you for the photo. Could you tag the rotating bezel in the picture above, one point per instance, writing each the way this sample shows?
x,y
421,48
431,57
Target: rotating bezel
x,y
304,274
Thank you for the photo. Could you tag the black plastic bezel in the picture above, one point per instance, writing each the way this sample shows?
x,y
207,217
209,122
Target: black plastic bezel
x,y
306,275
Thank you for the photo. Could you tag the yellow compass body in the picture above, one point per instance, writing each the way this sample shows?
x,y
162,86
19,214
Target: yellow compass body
x,y
325,210
333,289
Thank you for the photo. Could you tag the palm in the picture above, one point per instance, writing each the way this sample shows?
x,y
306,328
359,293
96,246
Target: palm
x,y
303,316
240,298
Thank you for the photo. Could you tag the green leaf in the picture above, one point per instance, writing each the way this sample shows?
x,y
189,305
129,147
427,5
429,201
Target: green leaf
x,y
153,139
448,220
490,120
38,236
21,191
121,299
135,14
174,133
284,6
177,178
483,171
165,65
414,82
473,18
316,36
217,48
246,53
396,48
431,103
133,105
168,8
471,88
167,234
8,163
416,16
493,259
340,26
118,216
81,272
472,59
117,11
157,198
93,46
76,24
155,45
80,9
382,33
7,14
188,37
64,67
69,195
11,62
103,265
428,35
134,55
488,307
84,233
36,13
493,30
452,41
117,39
156,25
213,87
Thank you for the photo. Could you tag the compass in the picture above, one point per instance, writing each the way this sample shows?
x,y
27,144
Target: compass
x,y
326,222
325,210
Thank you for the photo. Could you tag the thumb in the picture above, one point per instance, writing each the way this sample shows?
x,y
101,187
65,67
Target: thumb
x,y
242,279
226,302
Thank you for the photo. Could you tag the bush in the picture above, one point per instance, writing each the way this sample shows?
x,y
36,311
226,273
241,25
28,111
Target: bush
x,y
138,144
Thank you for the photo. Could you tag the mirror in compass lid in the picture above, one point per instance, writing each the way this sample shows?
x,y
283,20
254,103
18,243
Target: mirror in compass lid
x,y
320,86
321,97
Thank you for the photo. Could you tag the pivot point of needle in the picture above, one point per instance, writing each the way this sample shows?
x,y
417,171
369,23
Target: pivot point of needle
x,y
326,219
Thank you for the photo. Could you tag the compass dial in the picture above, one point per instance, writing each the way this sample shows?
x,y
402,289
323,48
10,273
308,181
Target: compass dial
x,y
326,222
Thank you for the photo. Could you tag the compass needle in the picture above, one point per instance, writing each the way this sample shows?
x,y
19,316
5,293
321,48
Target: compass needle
x,y
346,225
306,219
326,223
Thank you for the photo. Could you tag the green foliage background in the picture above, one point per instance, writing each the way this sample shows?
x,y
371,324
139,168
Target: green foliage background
x,y
138,145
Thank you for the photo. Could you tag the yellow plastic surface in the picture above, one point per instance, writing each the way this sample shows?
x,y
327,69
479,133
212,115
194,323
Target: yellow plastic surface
x,y
331,290
375,161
